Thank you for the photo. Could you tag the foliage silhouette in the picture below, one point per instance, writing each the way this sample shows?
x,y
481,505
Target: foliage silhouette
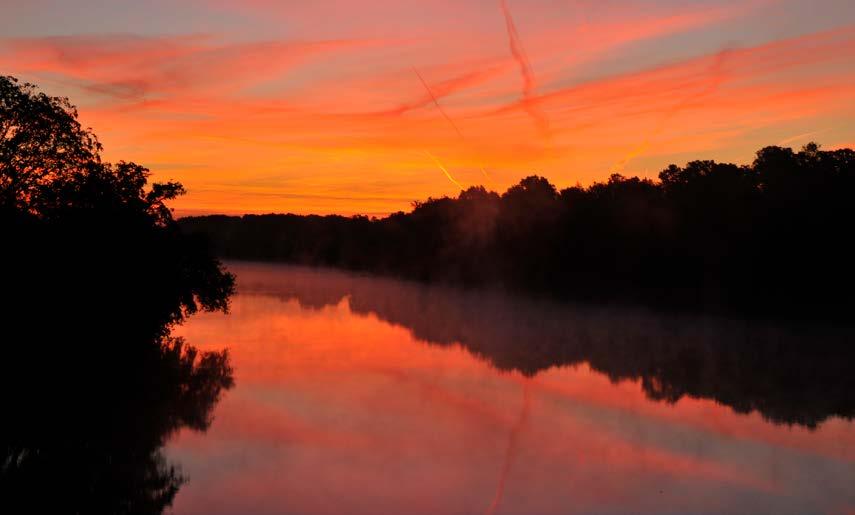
x,y
95,272
764,239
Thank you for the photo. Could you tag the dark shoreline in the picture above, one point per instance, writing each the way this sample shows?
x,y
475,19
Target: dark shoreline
x,y
766,240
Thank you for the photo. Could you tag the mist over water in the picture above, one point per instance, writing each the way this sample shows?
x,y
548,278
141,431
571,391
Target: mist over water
x,y
383,396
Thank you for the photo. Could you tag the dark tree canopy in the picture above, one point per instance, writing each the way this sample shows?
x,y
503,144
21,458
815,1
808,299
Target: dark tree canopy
x,y
52,179
41,142
95,271
769,238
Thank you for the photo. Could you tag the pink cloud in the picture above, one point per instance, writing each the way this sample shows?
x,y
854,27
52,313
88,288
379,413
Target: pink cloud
x,y
349,122
132,67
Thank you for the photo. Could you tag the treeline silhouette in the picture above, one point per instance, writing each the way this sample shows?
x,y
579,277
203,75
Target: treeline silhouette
x,y
95,273
790,373
769,238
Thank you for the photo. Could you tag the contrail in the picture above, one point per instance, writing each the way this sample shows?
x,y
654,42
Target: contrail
x,y
799,136
436,103
444,170
448,118
518,52
511,451
715,73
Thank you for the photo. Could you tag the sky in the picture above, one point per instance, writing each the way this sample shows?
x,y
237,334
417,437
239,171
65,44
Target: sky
x,y
364,106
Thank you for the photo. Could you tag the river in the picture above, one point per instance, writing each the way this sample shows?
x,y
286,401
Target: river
x,y
364,395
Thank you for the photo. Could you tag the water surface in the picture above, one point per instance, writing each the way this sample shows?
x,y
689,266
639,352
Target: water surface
x,y
374,396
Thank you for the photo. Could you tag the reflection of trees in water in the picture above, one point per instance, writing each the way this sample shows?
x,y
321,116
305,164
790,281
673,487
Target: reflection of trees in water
x,y
88,437
794,374
92,385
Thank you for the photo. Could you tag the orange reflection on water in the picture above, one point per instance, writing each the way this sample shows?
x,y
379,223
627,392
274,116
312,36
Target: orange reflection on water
x,y
339,410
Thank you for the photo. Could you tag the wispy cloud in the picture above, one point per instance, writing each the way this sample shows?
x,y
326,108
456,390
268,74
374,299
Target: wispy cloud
x,y
331,103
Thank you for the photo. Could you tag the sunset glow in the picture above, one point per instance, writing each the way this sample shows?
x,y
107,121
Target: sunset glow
x,y
263,106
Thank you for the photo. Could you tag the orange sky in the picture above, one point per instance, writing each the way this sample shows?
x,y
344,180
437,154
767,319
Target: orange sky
x,y
269,106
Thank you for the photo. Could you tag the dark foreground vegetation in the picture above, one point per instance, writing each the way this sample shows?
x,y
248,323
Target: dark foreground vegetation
x,y
95,272
771,238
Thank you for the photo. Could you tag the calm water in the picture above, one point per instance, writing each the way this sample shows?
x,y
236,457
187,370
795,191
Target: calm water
x,y
373,396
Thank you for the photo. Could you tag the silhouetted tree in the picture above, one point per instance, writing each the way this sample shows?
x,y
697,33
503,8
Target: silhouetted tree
x,y
95,272
40,141
58,199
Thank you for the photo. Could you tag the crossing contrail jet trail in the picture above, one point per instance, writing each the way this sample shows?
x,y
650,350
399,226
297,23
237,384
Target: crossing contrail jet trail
x,y
444,170
518,52
445,115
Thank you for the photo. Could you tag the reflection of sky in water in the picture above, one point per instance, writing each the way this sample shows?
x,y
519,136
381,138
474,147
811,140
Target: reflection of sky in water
x,y
338,411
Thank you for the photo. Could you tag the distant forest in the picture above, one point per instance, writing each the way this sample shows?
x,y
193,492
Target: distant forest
x,y
772,238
